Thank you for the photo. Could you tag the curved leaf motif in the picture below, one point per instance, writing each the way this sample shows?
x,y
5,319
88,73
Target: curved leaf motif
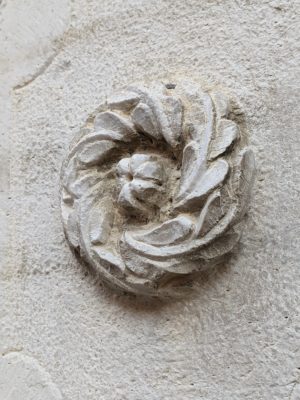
x,y
145,190
210,214
130,203
144,120
113,122
227,133
170,232
208,181
194,163
96,153
109,257
108,126
192,168
158,116
123,101
222,104
82,184
174,112
243,180
100,225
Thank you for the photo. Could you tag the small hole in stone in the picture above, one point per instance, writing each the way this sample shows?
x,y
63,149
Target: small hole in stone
x,y
170,85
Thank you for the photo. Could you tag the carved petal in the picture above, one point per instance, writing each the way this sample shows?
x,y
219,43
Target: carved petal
x,y
222,104
70,175
145,121
227,132
100,224
159,117
90,138
150,170
174,112
81,185
221,245
195,154
102,134
192,168
123,166
110,258
123,101
130,203
213,177
95,153
138,159
170,232
153,269
210,214
111,121
144,190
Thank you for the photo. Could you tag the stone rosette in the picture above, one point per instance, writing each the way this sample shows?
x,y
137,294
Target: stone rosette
x,y
156,185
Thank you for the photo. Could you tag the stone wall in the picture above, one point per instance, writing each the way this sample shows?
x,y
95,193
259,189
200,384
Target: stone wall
x,y
65,336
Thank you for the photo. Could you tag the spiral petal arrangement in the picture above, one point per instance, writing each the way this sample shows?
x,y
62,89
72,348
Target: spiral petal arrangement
x,y
156,186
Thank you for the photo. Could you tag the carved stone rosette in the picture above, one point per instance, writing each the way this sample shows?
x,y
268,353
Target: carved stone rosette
x,y
156,185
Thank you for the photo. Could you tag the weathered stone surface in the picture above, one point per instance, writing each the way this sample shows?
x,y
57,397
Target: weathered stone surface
x,y
21,377
238,337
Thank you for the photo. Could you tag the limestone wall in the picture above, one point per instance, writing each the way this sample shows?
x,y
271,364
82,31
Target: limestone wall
x,y
62,334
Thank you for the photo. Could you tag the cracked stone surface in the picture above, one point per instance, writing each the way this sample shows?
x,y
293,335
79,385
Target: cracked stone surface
x,y
238,336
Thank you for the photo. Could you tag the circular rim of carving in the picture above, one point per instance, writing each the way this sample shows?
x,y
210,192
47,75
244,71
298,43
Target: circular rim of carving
x,y
156,184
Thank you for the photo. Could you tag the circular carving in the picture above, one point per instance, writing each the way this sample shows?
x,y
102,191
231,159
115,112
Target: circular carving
x,y
156,185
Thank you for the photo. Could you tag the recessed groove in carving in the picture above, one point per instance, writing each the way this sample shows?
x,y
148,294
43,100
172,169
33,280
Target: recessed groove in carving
x,y
157,186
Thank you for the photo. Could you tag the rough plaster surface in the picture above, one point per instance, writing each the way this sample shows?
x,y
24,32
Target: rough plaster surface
x,y
238,337
27,379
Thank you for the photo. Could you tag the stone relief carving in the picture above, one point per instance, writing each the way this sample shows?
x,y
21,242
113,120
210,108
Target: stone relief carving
x,y
156,185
